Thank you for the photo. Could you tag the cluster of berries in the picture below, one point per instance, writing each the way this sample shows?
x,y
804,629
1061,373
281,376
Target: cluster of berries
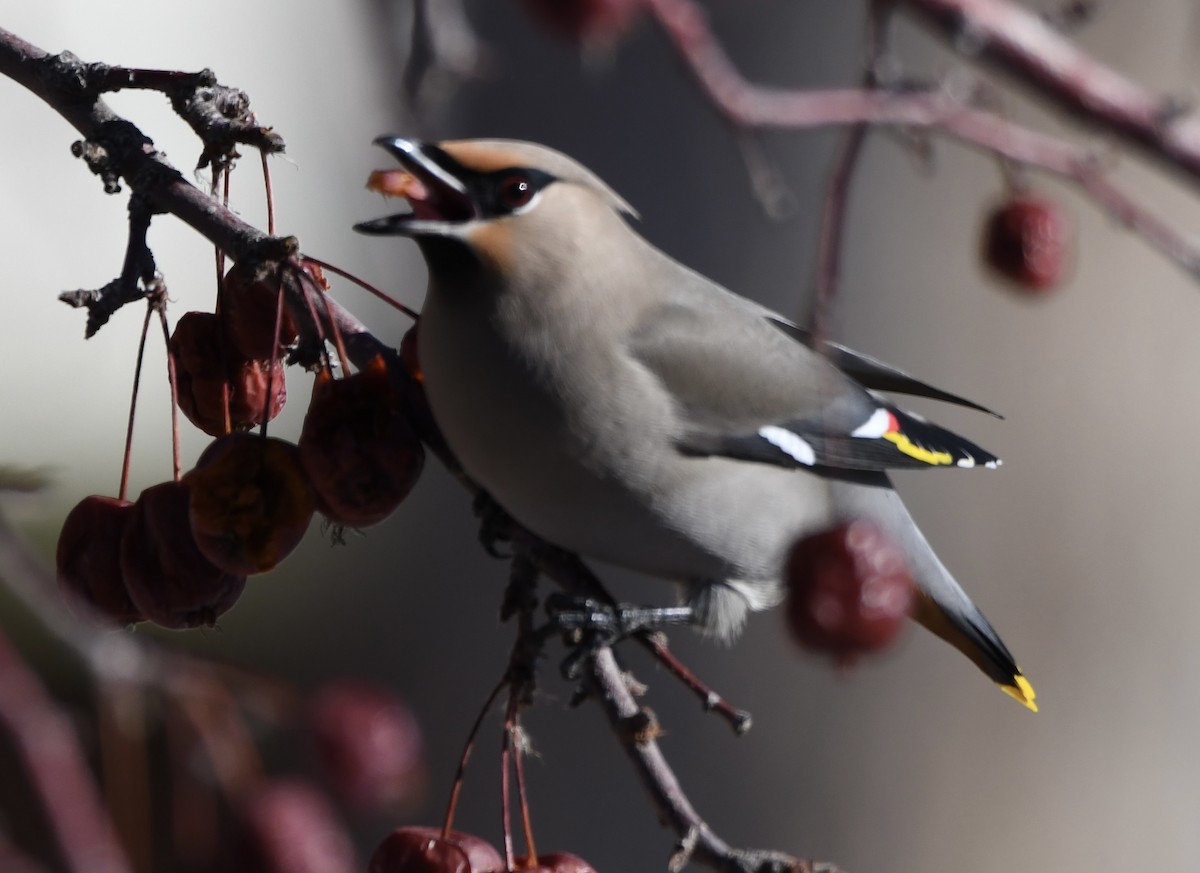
x,y
179,555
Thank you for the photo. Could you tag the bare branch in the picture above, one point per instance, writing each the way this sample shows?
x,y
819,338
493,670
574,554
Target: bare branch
x,y
125,152
137,279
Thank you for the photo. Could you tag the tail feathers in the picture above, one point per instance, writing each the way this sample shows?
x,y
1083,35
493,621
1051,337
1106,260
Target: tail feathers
x,y
942,606
973,635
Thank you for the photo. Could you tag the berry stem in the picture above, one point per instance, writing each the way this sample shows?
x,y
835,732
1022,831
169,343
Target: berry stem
x,y
366,286
320,329
137,378
274,352
217,250
311,287
176,463
468,747
513,728
270,193
228,420
505,799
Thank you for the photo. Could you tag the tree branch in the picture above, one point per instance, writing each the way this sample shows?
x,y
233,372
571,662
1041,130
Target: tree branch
x,y
637,729
114,148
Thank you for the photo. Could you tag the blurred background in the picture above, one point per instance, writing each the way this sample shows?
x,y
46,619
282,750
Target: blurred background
x,y
1081,549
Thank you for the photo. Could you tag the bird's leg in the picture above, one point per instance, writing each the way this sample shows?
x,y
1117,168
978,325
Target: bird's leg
x,y
495,525
592,623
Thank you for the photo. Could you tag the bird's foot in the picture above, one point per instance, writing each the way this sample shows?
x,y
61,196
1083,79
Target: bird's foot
x,y
495,525
590,624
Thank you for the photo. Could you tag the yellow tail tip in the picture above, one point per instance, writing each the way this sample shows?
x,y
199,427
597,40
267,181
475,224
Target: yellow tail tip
x,y
1021,691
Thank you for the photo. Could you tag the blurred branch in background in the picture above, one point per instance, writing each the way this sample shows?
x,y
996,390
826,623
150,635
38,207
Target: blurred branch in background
x,y
1108,103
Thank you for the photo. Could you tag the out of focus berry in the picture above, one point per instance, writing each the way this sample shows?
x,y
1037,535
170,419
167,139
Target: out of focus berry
x,y
289,827
584,21
849,590
1029,240
369,745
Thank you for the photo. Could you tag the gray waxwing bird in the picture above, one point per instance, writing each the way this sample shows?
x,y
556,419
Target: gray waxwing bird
x,y
622,406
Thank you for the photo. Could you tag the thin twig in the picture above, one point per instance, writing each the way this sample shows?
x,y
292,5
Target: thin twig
x,y
137,274
660,782
738,719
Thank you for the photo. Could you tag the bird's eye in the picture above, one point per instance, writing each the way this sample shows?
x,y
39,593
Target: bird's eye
x,y
516,190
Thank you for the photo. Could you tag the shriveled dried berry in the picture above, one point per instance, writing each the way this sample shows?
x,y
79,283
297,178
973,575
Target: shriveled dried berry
x,y
250,502
169,581
208,369
248,307
849,590
358,447
89,558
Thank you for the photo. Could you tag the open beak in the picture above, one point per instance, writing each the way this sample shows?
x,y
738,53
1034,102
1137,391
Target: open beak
x,y
441,203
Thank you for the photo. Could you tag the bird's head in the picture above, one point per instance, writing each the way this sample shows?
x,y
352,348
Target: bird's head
x,y
504,201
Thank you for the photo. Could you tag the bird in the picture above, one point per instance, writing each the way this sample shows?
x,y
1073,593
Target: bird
x,y
624,407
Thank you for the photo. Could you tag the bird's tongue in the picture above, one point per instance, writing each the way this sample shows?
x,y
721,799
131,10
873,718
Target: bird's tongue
x,y
399,183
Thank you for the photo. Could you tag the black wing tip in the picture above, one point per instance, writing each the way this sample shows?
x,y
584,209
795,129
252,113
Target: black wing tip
x,y
874,373
932,445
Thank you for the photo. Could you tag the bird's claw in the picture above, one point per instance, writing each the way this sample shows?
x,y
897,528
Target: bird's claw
x,y
589,624
495,525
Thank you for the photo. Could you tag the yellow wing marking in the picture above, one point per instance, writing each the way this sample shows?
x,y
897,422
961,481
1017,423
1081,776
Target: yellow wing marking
x,y
904,444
